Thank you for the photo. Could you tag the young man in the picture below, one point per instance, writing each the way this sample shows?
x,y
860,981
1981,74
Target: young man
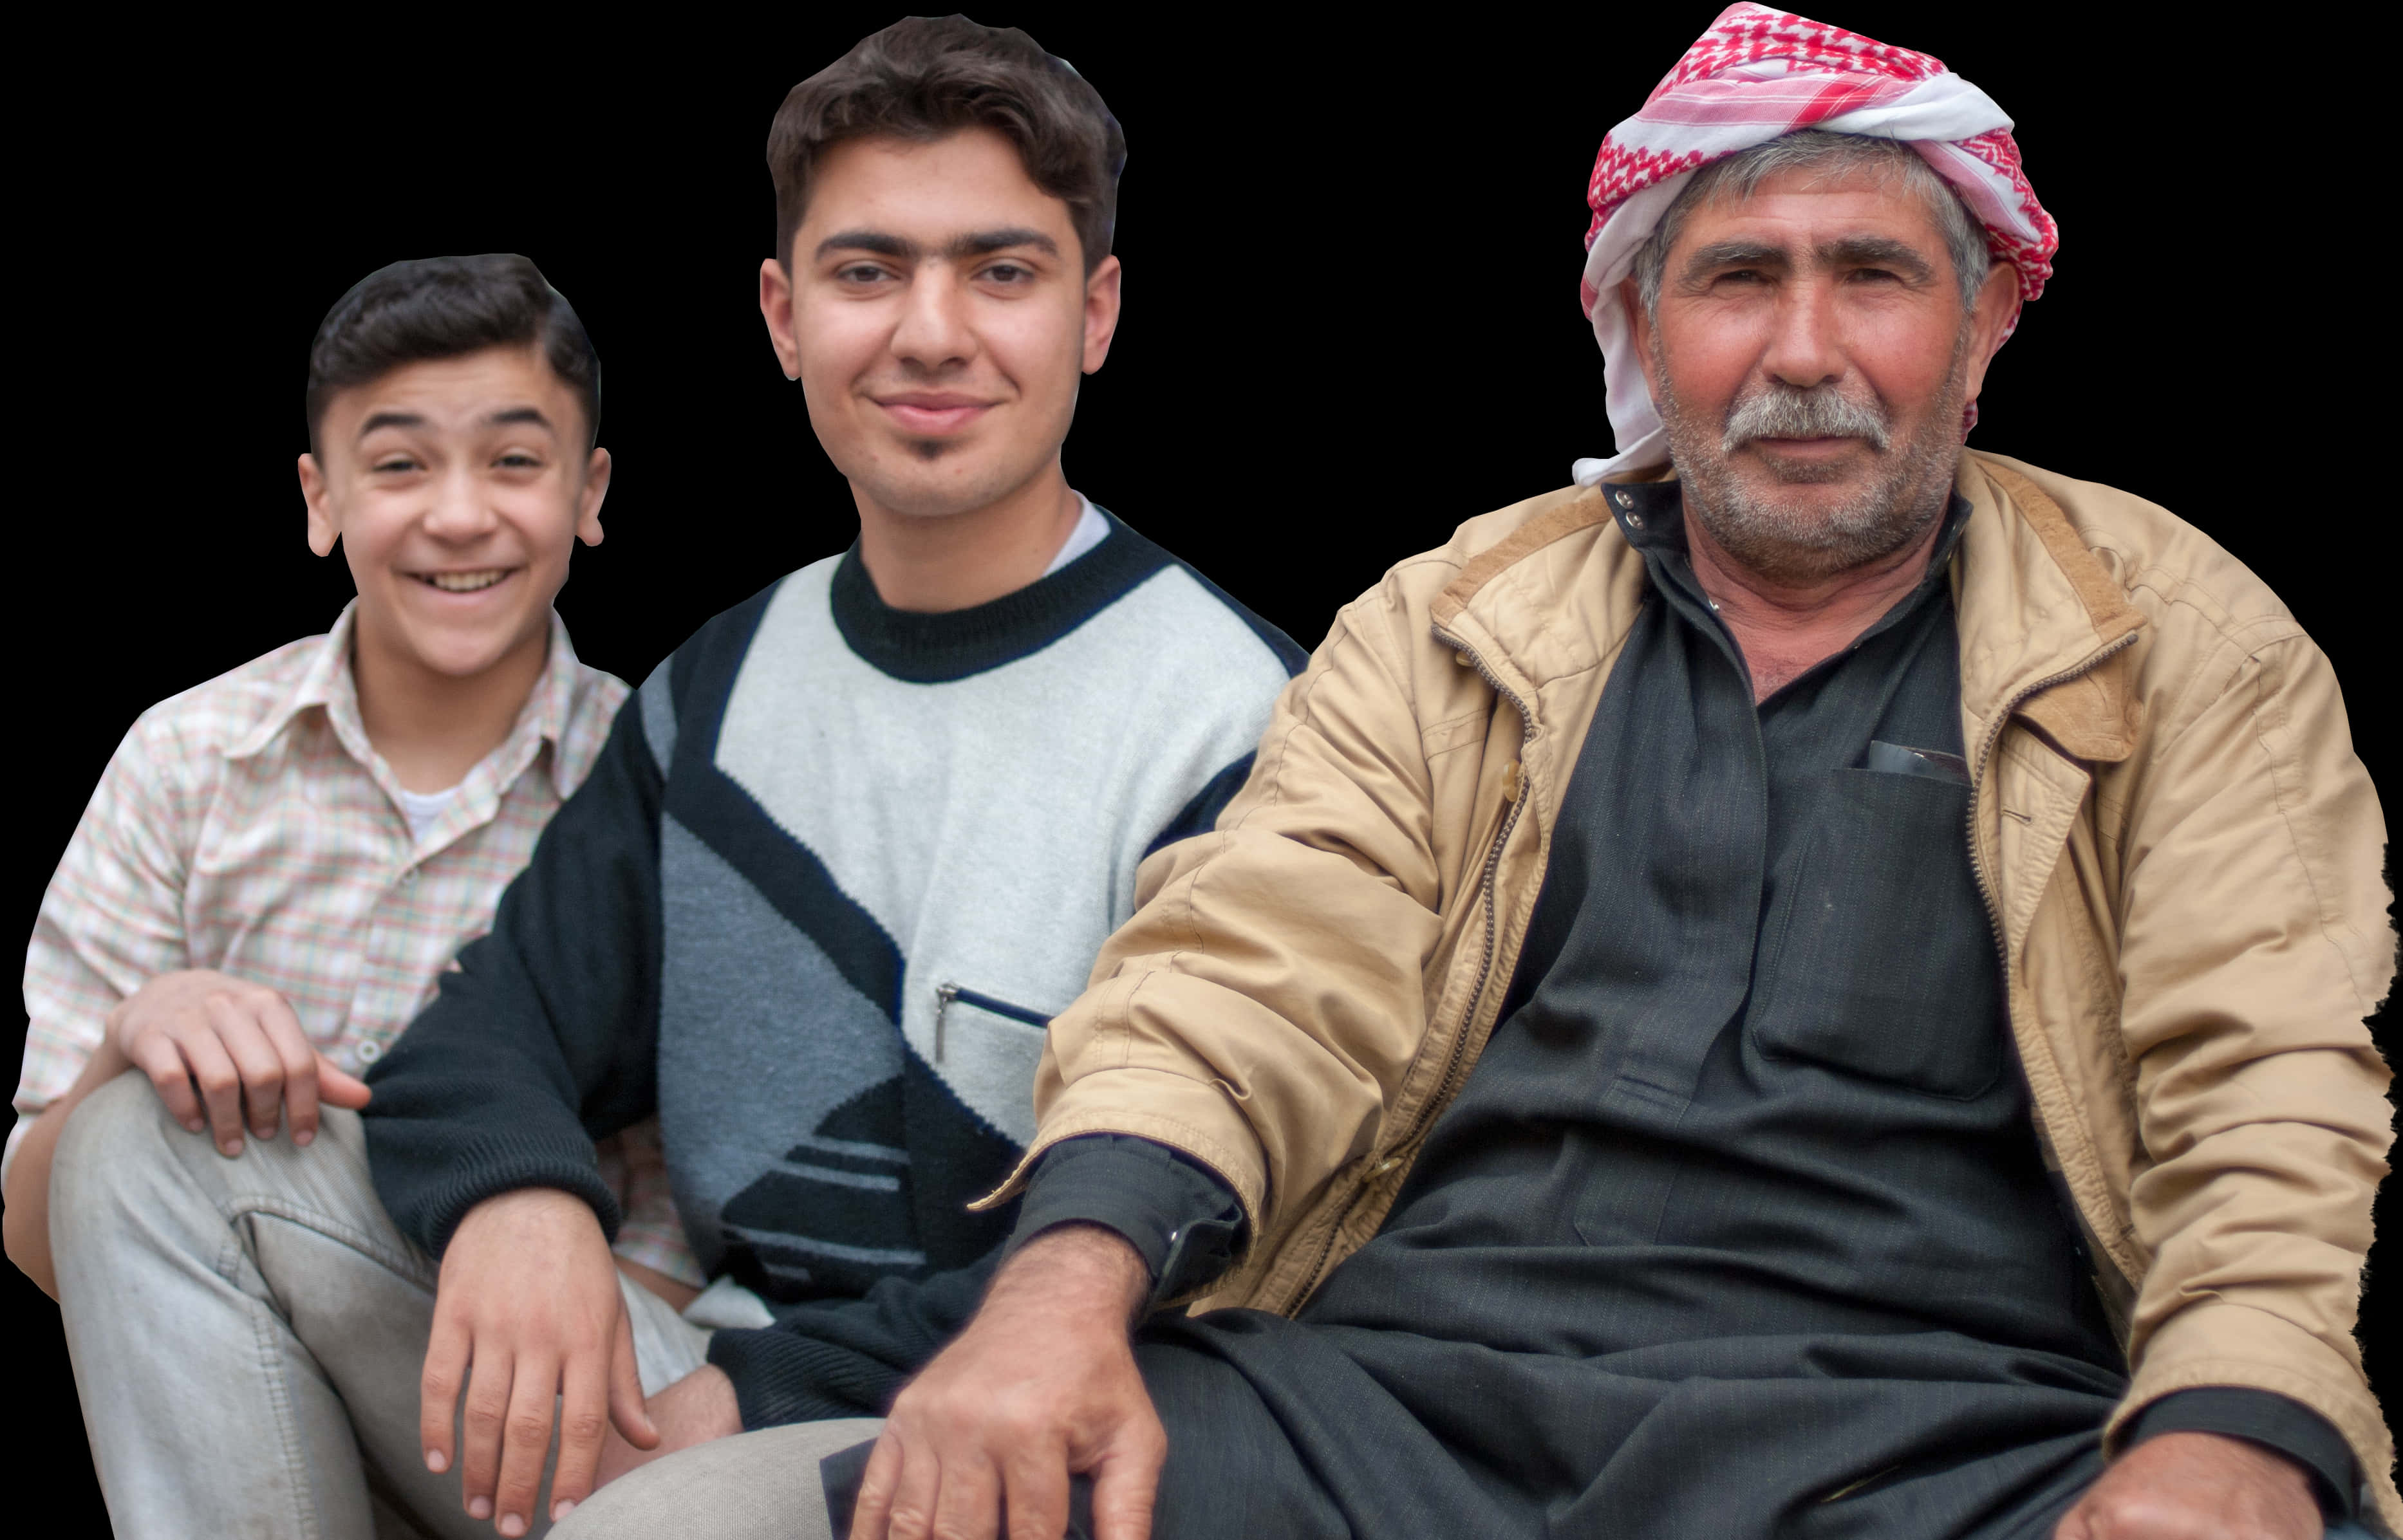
x,y
837,866
278,863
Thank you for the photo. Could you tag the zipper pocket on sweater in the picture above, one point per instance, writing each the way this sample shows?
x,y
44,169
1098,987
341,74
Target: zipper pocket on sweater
x,y
946,993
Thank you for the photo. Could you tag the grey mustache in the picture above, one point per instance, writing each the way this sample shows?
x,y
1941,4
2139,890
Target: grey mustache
x,y
1782,411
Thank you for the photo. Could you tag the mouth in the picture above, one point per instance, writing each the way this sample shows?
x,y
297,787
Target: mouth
x,y
464,582
932,412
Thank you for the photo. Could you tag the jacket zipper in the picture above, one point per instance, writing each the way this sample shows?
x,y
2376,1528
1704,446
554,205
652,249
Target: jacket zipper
x,y
1993,737
1453,1070
946,993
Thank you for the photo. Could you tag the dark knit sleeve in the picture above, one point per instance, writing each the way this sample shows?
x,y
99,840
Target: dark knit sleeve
x,y
543,1037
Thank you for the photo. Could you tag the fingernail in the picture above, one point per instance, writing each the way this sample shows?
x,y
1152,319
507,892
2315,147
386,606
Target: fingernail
x,y
231,1147
480,1507
437,1461
195,1126
511,1524
304,1136
262,1133
562,1508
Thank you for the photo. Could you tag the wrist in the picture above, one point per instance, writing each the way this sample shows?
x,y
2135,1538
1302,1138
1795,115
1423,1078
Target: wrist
x,y
1076,1271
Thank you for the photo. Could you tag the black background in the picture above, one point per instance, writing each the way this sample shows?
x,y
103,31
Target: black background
x,y
1352,253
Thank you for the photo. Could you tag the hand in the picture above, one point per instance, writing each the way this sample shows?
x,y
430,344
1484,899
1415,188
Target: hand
x,y
527,1309
695,1409
240,1045
1040,1385
2197,1486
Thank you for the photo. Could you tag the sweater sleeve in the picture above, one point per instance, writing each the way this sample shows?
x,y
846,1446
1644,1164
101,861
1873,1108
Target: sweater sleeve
x,y
544,1035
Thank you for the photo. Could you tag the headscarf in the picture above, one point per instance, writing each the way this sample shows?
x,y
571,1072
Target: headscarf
x,y
1756,75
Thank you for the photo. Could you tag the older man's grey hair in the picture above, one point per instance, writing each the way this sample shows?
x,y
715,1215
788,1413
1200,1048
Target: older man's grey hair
x,y
1829,155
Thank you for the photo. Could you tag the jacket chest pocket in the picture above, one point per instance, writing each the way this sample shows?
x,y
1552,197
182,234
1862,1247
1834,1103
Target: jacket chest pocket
x,y
987,1049
1880,960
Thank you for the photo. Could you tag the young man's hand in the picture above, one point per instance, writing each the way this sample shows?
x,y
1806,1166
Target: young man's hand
x,y
1041,1384
2195,1486
528,1310
240,1045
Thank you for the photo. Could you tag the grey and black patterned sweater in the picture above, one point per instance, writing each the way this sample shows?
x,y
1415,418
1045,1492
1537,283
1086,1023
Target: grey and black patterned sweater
x,y
837,866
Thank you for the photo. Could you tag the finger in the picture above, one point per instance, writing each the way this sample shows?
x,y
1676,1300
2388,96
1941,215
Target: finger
x,y
914,1496
438,1392
534,1399
1126,1483
254,1058
871,1513
967,1506
483,1419
299,1060
156,1055
627,1406
337,1087
584,1408
1035,1493
220,1085
2073,1525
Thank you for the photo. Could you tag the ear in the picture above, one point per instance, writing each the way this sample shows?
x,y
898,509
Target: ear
x,y
1100,313
1639,327
588,500
1989,322
324,528
776,309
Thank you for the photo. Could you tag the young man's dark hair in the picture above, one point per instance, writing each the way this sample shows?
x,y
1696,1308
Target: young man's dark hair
x,y
442,307
927,76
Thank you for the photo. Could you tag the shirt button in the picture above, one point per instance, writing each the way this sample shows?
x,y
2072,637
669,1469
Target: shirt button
x,y
367,1051
1623,499
408,875
1635,520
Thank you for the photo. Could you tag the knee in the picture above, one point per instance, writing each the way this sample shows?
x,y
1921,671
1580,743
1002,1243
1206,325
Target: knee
x,y
109,1130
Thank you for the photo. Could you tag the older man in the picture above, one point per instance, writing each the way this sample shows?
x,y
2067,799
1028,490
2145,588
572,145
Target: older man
x,y
1714,968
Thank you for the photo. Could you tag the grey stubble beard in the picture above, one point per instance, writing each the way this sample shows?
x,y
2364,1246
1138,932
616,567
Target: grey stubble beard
x,y
1769,537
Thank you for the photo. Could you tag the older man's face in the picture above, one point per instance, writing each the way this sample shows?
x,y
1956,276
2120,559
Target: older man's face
x,y
1811,358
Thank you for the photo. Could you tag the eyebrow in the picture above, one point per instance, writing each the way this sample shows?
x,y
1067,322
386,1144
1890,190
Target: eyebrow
x,y
390,419
508,415
973,244
1851,251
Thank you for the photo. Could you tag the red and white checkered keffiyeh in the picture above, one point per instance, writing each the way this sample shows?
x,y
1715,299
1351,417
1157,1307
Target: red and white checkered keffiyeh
x,y
1754,75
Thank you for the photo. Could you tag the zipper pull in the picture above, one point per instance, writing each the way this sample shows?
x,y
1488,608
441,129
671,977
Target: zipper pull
x,y
944,996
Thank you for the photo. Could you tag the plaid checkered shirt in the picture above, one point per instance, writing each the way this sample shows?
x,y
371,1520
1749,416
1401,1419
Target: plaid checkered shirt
x,y
247,826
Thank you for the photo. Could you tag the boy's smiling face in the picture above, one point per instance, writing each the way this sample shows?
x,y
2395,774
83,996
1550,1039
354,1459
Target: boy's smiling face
x,y
457,488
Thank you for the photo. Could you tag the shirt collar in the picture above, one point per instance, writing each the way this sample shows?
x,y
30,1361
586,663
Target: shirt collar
x,y
328,684
1652,516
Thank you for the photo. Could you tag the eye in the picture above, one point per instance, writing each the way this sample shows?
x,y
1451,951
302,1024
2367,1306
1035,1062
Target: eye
x,y
393,465
859,272
1009,273
518,460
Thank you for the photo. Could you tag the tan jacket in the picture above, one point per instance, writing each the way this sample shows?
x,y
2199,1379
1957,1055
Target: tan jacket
x,y
2174,840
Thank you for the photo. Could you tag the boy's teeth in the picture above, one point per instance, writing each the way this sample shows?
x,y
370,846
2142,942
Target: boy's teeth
x,y
465,582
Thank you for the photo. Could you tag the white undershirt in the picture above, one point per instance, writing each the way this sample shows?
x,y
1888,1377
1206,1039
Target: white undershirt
x,y
1091,530
422,807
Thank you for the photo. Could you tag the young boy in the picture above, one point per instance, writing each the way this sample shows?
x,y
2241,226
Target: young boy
x,y
840,861
278,863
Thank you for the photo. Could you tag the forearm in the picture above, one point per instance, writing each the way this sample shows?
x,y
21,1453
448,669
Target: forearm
x,y
27,1222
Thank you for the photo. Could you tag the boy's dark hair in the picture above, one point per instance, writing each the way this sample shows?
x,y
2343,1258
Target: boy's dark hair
x,y
927,76
441,307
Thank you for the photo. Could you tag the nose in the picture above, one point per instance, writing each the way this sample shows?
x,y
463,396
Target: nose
x,y
1804,349
933,333
460,513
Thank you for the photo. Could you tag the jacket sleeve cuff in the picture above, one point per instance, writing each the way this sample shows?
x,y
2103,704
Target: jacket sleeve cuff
x,y
2265,1418
1185,1222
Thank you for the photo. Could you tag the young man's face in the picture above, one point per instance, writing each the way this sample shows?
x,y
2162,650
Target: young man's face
x,y
938,317
457,487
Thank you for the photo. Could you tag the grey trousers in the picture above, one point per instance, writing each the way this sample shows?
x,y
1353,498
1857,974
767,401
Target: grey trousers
x,y
247,1334
761,1486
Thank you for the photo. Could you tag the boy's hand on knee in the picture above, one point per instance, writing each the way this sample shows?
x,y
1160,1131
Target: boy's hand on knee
x,y
1042,1384
527,1315
217,1047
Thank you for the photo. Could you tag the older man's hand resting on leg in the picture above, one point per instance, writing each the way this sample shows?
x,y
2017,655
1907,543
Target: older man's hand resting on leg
x,y
1041,1385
